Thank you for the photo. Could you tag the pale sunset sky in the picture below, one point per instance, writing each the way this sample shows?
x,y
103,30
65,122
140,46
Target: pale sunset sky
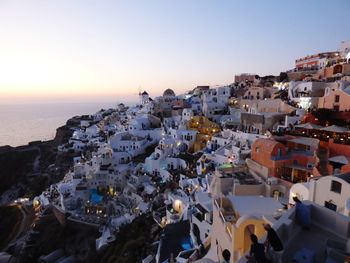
x,y
82,50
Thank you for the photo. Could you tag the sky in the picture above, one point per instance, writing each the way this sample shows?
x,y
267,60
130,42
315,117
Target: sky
x,y
83,50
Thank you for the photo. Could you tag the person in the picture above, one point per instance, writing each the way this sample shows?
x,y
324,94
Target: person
x,y
302,214
273,244
257,250
226,255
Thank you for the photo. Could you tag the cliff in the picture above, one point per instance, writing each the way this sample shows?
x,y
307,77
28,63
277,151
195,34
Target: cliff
x,y
27,170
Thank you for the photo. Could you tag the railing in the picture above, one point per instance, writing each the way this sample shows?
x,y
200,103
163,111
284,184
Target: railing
x,y
279,158
222,217
291,154
229,231
216,203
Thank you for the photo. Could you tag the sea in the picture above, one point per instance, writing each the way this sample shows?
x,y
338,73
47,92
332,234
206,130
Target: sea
x,y
23,123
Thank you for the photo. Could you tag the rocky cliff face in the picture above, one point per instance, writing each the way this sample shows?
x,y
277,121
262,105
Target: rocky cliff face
x,y
15,165
27,170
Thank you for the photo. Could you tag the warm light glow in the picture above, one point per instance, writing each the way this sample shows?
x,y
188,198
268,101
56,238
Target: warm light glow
x,y
177,205
85,49
36,203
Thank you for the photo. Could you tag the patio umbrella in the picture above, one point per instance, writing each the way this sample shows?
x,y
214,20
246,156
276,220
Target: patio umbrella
x,y
335,128
339,159
308,126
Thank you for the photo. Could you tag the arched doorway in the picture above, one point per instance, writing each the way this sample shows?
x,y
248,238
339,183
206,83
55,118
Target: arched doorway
x,y
337,69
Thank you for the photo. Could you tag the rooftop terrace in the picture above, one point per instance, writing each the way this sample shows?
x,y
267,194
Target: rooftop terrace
x,y
325,225
242,177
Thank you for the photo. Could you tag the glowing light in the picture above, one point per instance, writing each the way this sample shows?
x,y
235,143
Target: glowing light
x,y
177,205
36,203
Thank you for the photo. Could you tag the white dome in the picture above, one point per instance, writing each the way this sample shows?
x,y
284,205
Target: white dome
x,y
168,93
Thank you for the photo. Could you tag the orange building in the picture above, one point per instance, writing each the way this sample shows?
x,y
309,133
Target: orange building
x,y
293,160
332,71
336,98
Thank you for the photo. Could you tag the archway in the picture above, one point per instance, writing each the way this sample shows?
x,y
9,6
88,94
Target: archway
x,y
337,69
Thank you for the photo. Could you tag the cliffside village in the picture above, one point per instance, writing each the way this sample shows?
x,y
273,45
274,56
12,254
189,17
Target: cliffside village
x,y
215,164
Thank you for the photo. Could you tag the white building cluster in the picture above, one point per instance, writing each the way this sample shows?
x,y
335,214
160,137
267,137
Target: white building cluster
x,y
215,164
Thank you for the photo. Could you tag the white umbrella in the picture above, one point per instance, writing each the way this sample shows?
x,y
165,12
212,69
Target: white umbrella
x,y
339,159
335,128
308,126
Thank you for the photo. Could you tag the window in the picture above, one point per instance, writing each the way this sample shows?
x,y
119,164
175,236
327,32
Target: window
x,y
277,194
257,149
336,107
336,98
279,152
336,187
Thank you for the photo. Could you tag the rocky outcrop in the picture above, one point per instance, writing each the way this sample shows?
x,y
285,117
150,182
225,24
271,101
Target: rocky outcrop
x,y
27,170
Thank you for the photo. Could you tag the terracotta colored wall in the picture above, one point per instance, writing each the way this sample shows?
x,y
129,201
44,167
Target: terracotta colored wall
x,y
346,168
336,149
328,101
264,155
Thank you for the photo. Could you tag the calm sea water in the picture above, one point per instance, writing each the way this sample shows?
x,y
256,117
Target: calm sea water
x,y
22,123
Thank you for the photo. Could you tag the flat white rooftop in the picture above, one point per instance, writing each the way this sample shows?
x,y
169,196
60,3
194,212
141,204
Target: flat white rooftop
x,y
255,205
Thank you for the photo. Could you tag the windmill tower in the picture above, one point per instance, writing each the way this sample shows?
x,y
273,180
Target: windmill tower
x,y
144,97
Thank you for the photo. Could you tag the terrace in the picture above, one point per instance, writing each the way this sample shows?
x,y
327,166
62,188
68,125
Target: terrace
x,y
323,134
325,225
242,177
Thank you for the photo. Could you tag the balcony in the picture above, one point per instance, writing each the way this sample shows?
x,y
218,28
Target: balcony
x,y
290,154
